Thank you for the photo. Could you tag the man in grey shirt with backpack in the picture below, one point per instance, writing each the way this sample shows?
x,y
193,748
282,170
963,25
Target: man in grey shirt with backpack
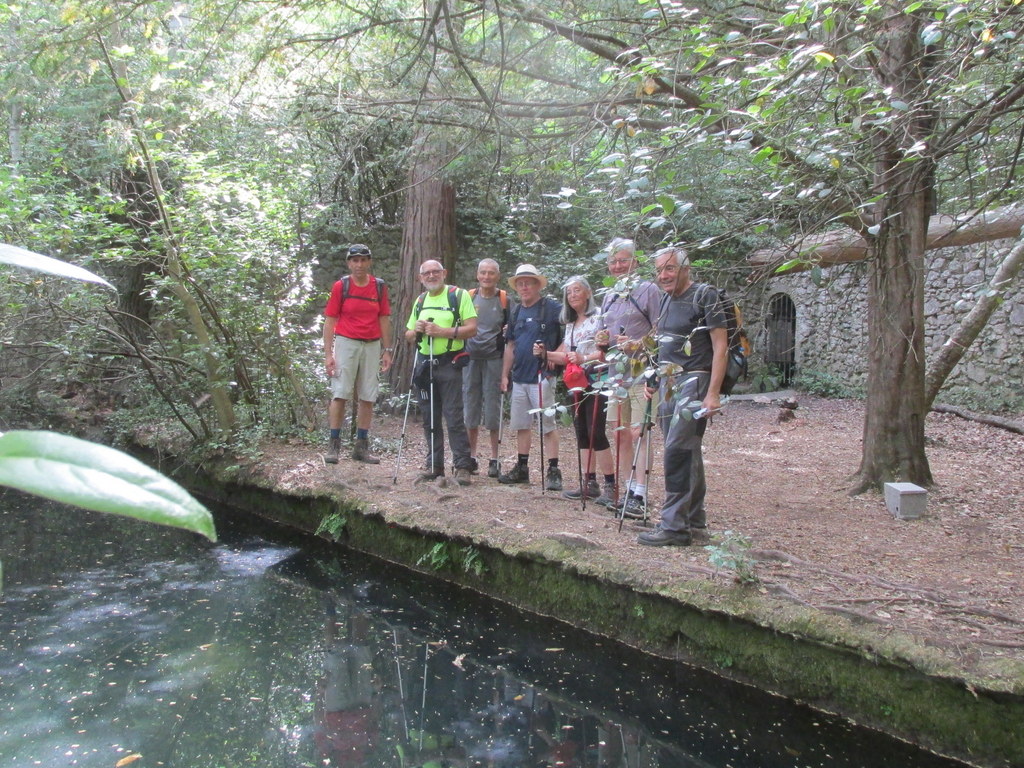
x,y
693,348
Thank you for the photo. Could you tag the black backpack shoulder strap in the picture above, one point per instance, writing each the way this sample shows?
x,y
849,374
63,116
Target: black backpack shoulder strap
x,y
639,308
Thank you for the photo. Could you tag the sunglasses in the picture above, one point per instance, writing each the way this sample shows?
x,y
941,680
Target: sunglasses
x,y
358,251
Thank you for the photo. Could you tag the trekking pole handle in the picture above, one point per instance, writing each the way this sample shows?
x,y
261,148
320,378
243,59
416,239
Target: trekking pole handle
x,y
419,336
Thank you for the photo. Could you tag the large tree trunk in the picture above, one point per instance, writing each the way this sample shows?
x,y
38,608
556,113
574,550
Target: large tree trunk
x,y
893,446
428,233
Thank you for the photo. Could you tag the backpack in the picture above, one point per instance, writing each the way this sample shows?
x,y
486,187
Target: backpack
x,y
502,295
739,345
454,299
544,310
346,283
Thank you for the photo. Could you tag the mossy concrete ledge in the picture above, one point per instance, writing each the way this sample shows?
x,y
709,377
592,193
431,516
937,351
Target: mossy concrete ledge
x,y
886,681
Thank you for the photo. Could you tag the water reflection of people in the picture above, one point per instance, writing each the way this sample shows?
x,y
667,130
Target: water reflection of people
x,y
565,739
348,711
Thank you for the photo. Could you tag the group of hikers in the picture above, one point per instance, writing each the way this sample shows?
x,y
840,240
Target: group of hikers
x,y
652,349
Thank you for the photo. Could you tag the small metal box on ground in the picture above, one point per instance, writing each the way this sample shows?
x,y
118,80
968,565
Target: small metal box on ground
x,y
905,501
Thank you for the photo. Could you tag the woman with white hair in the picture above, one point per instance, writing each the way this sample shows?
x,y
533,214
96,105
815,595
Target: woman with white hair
x,y
582,320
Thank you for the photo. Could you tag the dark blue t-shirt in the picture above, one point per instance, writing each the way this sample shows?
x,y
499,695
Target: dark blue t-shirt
x,y
528,324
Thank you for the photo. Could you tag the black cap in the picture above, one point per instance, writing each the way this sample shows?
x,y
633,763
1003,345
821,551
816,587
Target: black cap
x,y
358,249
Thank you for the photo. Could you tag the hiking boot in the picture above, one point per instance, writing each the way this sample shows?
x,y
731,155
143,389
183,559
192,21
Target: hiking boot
x,y
333,449
590,490
520,473
662,538
361,452
634,507
474,466
553,479
463,475
493,469
427,472
607,497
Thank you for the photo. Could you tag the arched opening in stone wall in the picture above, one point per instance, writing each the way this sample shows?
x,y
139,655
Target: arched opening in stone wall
x,y
780,337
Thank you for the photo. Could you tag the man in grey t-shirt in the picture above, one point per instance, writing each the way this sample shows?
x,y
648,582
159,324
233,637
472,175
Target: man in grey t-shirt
x,y
481,382
693,345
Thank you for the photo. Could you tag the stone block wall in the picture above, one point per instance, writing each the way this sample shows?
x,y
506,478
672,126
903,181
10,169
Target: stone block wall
x,y
831,325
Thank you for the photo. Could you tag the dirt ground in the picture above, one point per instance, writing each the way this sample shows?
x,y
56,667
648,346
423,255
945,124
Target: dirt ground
x,y
953,578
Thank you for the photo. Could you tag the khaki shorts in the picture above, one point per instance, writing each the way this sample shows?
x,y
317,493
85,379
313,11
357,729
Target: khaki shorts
x,y
629,412
356,364
525,399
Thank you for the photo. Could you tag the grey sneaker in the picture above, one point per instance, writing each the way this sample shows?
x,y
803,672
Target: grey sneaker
x,y
607,497
333,449
361,452
520,473
493,469
462,476
634,507
553,479
590,490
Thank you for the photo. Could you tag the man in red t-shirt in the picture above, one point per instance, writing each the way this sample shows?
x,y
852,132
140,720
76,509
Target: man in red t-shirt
x,y
357,344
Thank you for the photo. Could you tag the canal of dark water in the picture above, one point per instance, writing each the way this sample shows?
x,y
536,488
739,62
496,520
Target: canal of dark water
x,y
126,644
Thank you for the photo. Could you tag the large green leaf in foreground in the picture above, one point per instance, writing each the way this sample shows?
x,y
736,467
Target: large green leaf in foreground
x,y
96,477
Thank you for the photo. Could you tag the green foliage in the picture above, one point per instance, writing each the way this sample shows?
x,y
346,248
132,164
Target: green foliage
x,y
825,384
731,552
447,555
332,525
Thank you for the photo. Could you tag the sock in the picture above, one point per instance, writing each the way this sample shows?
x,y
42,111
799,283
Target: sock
x,y
609,479
362,434
591,477
336,433
524,459
638,489
553,463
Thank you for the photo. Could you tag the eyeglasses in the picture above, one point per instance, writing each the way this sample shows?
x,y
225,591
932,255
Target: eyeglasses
x,y
618,262
432,273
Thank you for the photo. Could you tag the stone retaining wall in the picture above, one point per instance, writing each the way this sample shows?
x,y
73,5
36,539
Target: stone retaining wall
x,y
831,325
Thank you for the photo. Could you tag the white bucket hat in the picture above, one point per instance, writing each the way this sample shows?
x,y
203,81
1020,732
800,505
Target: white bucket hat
x,y
528,270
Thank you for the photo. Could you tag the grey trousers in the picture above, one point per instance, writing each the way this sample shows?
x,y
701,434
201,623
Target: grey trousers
x,y
683,461
445,408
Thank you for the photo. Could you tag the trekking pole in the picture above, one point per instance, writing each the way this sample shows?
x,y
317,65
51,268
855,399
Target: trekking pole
x,y
649,418
540,406
591,461
433,434
501,425
579,450
632,471
618,430
405,419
